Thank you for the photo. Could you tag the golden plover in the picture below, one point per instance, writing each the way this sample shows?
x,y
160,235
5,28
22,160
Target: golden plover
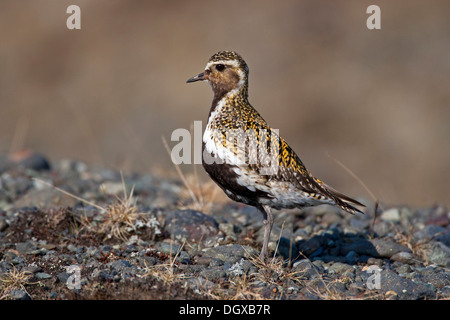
x,y
248,159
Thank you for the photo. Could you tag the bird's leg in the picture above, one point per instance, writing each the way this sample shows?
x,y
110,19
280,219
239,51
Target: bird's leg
x,y
268,223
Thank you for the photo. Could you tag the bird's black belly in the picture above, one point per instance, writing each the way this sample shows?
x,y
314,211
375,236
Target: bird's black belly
x,y
226,178
224,175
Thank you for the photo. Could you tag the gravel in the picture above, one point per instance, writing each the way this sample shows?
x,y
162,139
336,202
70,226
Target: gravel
x,y
57,247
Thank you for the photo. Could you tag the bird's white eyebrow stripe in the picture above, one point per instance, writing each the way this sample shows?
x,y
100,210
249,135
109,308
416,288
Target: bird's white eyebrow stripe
x,y
233,63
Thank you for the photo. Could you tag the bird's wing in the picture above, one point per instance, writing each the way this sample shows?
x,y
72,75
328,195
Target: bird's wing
x,y
270,157
292,169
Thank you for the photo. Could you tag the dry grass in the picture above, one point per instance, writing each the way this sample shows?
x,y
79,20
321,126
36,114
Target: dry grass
x,y
326,290
274,271
167,272
243,288
120,219
12,280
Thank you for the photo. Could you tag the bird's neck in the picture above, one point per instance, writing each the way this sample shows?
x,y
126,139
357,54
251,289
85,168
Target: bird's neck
x,y
239,94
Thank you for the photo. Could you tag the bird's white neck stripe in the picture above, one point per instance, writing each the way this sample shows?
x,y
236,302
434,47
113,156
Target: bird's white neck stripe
x,y
218,107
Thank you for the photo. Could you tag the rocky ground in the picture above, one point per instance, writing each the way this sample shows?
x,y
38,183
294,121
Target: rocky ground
x,y
69,231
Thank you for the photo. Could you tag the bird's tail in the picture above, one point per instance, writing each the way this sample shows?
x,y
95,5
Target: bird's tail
x,y
343,201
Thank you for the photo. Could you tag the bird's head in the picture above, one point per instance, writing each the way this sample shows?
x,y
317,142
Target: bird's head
x,y
225,71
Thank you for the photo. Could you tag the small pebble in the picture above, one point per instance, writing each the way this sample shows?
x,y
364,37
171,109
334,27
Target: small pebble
x,y
18,294
392,215
42,275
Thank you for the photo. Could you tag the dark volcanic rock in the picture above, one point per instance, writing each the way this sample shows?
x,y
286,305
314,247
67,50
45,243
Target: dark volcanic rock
x,y
361,247
405,289
191,225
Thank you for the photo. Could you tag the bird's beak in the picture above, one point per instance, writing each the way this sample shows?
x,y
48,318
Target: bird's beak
x,y
199,77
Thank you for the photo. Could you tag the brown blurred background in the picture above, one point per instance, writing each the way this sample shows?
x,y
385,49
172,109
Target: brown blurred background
x,y
378,101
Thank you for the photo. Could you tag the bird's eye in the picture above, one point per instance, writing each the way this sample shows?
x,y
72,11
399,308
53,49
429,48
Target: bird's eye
x,y
220,67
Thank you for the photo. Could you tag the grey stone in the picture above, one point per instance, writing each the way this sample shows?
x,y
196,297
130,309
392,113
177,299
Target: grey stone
x,y
444,237
106,248
361,247
404,257
119,265
229,253
387,249
229,230
183,257
375,261
287,249
437,253
439,279
11,256
359,224
429,232
248,215
25,247
168,248
445,292
42,275
19,294
351,257
392,215
105,275
93,252
131,248
147,261
190,225
71,247
213,274
302,232
339,268
404,288
14,185
403,269
45,198
307,269
206,260
63,276
310,246
3,224
32,269
173,250
382,228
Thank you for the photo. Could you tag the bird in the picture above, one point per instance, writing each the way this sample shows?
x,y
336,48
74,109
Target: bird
x,y
247,158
